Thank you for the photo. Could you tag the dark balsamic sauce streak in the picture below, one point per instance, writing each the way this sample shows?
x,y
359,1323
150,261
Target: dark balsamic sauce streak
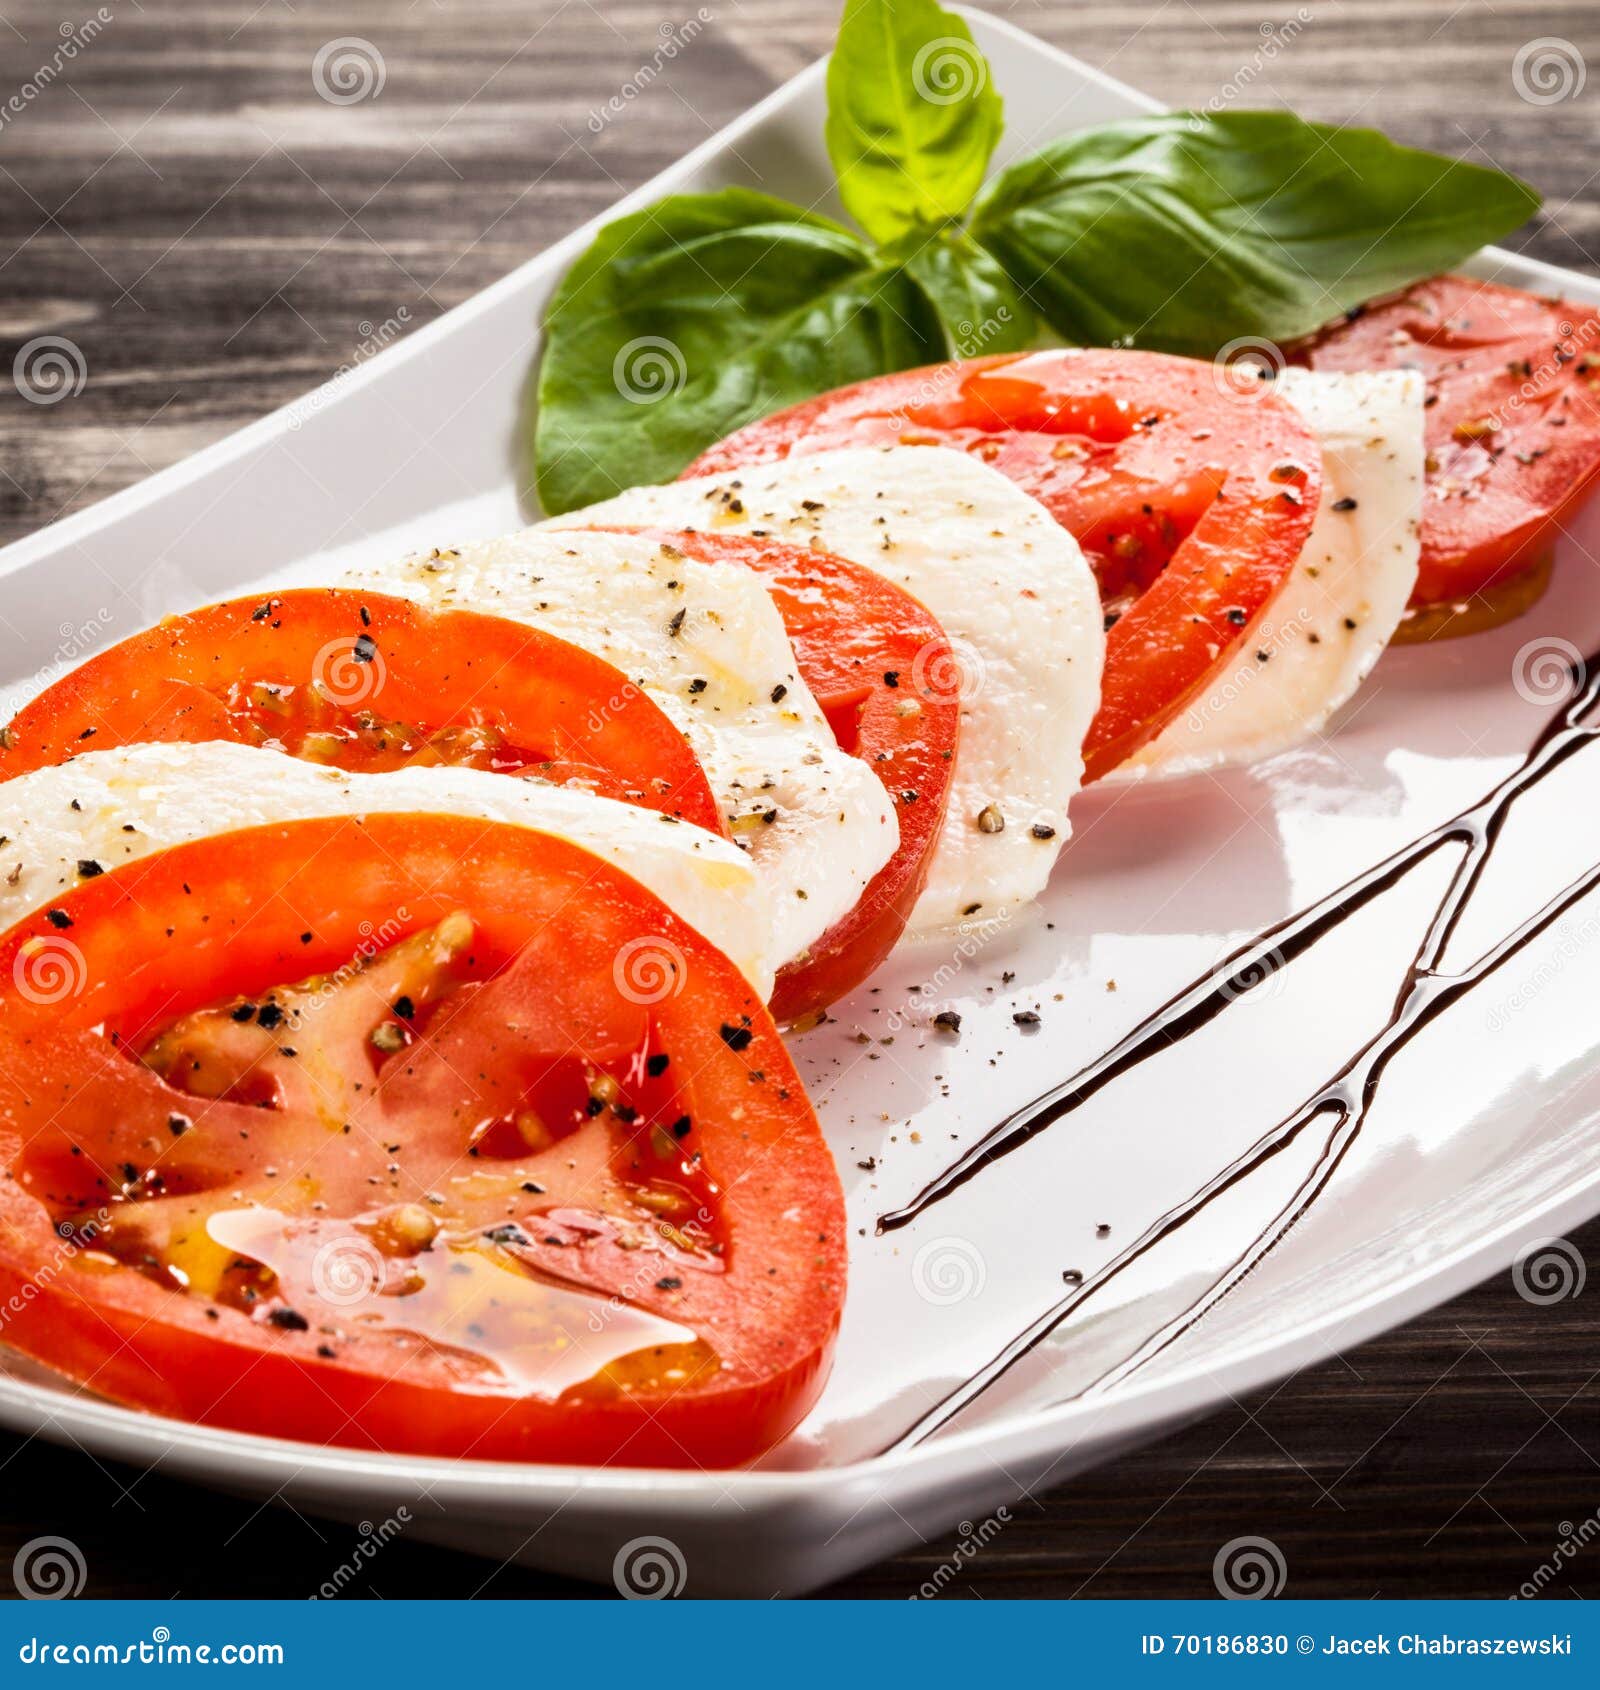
x,y
1343,1103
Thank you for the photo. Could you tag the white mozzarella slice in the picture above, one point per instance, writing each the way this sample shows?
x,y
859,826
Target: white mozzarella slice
x,y
707,644
1318,637
54,819
1013,594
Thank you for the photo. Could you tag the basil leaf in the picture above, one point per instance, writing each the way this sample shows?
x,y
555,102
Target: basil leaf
x,y
912,115
981,307
1184,231
684,321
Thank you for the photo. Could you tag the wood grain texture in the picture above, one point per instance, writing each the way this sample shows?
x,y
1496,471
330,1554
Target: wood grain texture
x,y
217,239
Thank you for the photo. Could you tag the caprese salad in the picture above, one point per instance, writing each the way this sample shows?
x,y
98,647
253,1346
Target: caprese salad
x,y
392,971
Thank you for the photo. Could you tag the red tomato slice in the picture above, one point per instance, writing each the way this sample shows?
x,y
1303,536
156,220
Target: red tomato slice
x,y
880,666
1190,500
413,1134
366,682
1513,419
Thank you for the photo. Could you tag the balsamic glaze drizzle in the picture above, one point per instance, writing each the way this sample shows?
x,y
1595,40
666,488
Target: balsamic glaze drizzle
x,y
1342,1104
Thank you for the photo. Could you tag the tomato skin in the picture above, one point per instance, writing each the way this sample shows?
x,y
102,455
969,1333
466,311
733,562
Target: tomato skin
x,y
1191,501
851,631
576,715
1512,422
198,924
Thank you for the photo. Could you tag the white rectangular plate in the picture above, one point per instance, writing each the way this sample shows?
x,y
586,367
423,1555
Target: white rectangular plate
x,y
1487,1135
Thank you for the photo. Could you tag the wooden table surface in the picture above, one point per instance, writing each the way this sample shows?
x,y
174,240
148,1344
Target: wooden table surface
x,y
217,240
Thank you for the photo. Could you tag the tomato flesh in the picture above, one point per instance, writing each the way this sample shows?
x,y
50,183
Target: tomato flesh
x,y
354,1131
366,682
1512,422
882,670
1191,500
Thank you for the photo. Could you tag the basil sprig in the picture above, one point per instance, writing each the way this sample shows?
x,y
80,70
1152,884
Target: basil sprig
x,y
1176,233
